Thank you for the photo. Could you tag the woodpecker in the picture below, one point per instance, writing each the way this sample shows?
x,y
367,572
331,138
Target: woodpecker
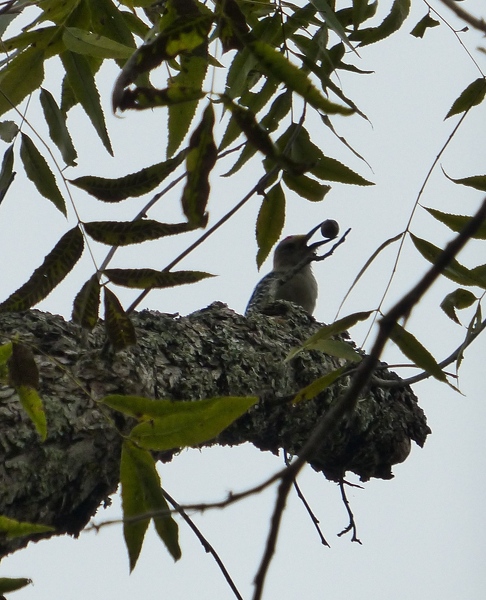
x,y
291,278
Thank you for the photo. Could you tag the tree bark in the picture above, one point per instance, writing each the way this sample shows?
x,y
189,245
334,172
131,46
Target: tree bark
x,y
212,352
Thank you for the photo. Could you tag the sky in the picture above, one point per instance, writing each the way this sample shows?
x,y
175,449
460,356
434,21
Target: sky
x,y
422,532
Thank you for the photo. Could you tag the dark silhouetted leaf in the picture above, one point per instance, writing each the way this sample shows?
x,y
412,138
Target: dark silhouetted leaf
x,y
15,84
471,96
119,328
270,222
458,299
306,187
149,278
478,182
86,305
391,23
10,584
8,130
57,264
7,174
116,233
457,222
424,24
58,131
133,185
40,174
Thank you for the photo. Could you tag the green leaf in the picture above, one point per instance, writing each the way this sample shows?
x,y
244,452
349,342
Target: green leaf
x,y
306,187
424,24
332,21
329,331
454,271
141,493
40,174
92,44
32,404
14,83
119,328
276,65
200,161
132,185
417,353
478,182
7,174
83,84
190,423
86,305
58,130
338,348
458,299
11,584
391,23
318,386
456,222
8,130
270,222
149,278
116,233
471,96
57,264
13,529
330,169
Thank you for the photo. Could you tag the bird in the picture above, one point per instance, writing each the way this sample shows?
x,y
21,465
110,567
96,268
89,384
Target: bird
x,y
292,278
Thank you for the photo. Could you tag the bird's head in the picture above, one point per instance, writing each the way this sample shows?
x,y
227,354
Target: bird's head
x,y
295,248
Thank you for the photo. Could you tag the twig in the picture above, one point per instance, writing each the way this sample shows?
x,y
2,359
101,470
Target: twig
x,y
465,16
352,523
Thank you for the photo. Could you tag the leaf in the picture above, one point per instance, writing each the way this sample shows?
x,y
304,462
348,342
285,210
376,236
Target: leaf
x,y
458,299
339,349
471,96
58,130
270,222
57,264
22,368
124,233
82,82
424,24
329,331
132,185
13,529
32,404
332,21
7,174
276,65
14,84
8,130
11,584
478,182
93,44
200,161
319,385
417,353
40,174
86,305
190,423
454,270
150,278
141,493
306,187
391,23
119,328
330,169
457,222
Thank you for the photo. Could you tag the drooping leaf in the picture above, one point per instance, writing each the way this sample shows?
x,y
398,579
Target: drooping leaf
x,y
132,185
13,529
478,182
454,271
456,222
86,305
141,493
32,404
7,174
82,82
200,161
119,328
57,264
471,96
190,423
306,187
390,24
11,584
39,172
318,386
124,233
424,24
275,64
458,299
14,83
58,130
22,368
416,352
332,21
329,331
92,44
270,222
149,278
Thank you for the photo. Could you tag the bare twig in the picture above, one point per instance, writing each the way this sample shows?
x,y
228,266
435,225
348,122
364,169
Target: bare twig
x,y
352,523
475,22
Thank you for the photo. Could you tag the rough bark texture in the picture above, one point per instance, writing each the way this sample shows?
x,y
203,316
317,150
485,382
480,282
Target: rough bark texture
x,y
212,352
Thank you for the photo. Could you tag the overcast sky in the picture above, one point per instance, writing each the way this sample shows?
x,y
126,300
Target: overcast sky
x,y
423,532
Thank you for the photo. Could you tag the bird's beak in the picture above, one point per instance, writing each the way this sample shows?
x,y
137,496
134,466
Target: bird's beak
x,y
315,245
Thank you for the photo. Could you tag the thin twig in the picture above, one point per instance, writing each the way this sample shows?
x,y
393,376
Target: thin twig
x,y
352,523
475,22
